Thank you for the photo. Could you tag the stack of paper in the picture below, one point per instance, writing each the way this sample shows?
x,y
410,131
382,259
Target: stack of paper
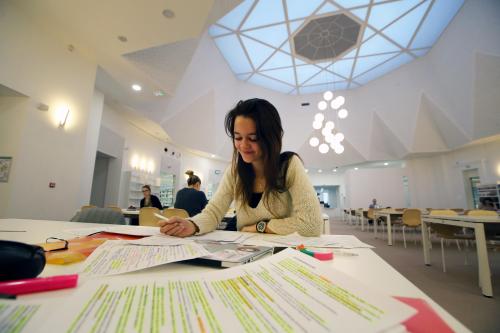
x,y
329,241
287,292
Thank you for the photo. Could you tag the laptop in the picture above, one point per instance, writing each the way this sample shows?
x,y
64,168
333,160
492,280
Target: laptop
x,y
230,254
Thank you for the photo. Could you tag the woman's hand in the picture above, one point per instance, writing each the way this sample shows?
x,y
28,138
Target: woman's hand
x,y
249,228
176,226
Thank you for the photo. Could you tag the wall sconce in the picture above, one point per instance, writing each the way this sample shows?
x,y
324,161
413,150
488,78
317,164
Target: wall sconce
x,y
63,116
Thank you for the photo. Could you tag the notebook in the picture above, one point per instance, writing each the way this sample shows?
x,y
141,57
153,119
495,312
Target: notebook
x,y
229,255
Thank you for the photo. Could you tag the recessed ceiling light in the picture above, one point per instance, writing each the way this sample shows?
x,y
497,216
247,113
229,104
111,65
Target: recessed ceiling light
x,y
386,163
212,155
320,171
136,87
334,170
168,13
159,93
122,39
355,168
307,170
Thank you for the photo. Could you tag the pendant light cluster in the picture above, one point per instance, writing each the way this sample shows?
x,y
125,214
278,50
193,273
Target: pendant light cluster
x,y
331,138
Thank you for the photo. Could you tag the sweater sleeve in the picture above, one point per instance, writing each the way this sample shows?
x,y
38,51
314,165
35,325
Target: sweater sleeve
x,y
306,213
217,207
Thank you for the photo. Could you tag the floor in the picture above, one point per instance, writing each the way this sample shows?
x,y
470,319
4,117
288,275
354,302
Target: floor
x,y
456,290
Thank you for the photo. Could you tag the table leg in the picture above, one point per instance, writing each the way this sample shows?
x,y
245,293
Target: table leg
x,y
482,260
375,225
361,217
389,230
425,243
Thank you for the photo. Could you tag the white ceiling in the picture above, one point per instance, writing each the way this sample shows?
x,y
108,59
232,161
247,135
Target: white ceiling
x,y
438,102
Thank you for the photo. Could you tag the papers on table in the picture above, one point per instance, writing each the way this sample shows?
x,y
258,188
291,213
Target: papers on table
x,y
224,236
287,292
118,229
160,240
117,257
329,241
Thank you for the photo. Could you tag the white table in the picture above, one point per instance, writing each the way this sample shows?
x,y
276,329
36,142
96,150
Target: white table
x,y
473,222
387,213
367,267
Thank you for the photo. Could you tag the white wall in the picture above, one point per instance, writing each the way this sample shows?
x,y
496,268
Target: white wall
x,y
438,181
384,184
38,66
138,142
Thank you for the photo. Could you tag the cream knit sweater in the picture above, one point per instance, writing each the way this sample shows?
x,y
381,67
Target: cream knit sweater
x,y
297,209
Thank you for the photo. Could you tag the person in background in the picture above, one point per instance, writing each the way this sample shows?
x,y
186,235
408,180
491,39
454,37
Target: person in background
x,y
149,199
191,198
271,190
374,204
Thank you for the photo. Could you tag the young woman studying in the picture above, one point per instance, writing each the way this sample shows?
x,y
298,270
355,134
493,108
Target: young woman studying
x,y
271,190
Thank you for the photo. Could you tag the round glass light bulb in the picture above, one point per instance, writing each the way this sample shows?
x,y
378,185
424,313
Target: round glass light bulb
x,y
330,125
317,124
326,131
343,113
339,149
340,100
319,117
314,141
339,137
322,105
329,137
328,95
323,148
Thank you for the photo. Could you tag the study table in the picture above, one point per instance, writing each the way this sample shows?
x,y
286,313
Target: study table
x,y
388,214
367,267
474,222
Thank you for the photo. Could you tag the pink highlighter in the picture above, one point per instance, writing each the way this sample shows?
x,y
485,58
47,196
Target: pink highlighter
x,y
27,286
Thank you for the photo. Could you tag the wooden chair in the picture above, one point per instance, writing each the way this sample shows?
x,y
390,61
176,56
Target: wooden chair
x,y
481,212
411,219
171,212
115,208
147,217
87,207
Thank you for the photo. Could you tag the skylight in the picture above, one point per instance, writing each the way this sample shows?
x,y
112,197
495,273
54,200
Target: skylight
x,y
292,47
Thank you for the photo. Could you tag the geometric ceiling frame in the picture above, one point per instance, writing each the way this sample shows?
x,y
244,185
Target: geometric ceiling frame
x,y
256,39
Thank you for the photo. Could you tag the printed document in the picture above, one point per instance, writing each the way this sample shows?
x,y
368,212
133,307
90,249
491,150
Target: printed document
x,y
287,292
117,257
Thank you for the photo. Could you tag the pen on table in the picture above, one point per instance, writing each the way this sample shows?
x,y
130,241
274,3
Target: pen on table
x,y
161,217
27,286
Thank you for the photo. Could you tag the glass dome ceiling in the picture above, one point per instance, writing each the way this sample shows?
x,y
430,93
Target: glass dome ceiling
x,y
310,46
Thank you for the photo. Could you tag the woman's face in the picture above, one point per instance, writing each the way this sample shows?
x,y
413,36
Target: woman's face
x,y
245,139
146,192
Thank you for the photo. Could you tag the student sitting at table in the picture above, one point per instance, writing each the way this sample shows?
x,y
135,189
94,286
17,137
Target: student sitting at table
x,y
191,198
271,190
149,199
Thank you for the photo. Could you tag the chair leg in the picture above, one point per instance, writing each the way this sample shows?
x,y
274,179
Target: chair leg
x,y
404,237
442,255
430,240
458,245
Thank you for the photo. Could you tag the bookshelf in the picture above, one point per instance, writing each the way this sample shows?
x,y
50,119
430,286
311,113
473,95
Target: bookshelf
x,y
491,193
167,188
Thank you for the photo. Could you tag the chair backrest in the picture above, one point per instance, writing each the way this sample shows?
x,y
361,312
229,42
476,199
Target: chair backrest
x,y
481,212
443,212
115,208
87,207
411,217
99,215
458,210
170,212
370,212
147,216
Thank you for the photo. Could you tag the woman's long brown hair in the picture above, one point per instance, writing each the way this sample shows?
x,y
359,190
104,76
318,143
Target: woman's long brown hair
x,y
269,138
